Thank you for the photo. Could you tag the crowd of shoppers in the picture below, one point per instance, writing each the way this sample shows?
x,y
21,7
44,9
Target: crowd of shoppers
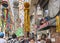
x,y
15,39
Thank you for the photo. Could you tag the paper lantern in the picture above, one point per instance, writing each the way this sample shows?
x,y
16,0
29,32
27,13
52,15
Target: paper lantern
x,y
5,4
26,4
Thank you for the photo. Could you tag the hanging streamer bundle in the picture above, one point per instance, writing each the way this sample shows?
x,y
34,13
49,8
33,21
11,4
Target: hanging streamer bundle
x,y
5,13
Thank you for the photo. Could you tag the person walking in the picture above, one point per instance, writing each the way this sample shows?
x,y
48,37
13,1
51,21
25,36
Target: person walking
x,y
48,40
43,37
2,40
14,39
32,40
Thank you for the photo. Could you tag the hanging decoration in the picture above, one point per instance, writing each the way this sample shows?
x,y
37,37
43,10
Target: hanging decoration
x,y
8,23
26,18
5,3
4,14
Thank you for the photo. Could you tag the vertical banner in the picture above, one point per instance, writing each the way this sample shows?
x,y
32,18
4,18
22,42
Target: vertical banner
x,y
57,23
26,18
3,18
4,13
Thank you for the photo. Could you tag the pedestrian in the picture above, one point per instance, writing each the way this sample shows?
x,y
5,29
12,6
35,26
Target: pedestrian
x,y
14,39
48,41
2,40
42,41
43,37
22,39
9,39
32,40
38,41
